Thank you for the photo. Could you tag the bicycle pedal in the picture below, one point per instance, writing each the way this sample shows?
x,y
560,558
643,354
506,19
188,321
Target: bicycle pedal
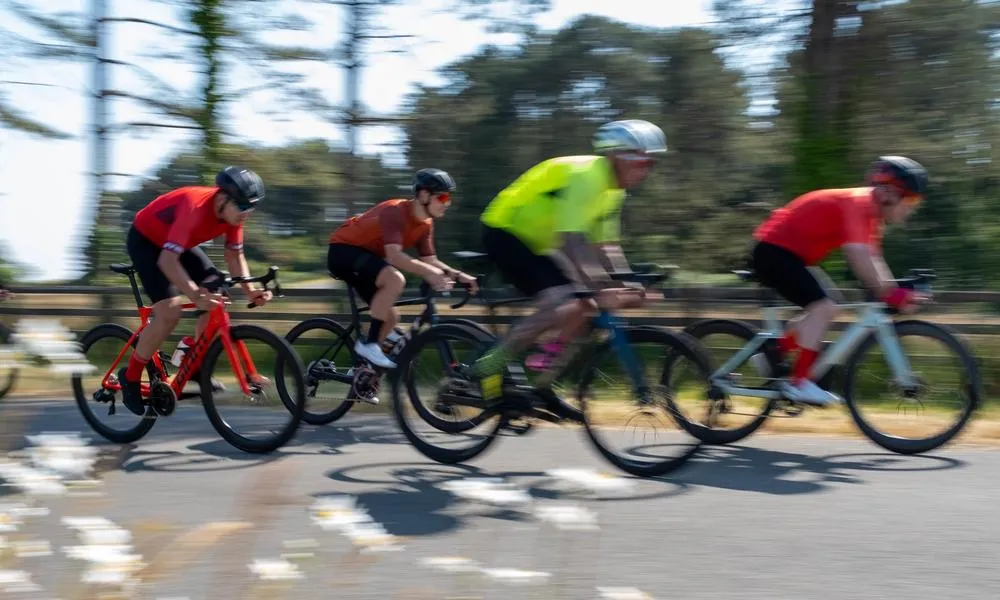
x,y
518,428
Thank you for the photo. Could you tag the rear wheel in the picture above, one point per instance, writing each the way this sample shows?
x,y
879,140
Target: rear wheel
x,y
101,345
243,424
727,419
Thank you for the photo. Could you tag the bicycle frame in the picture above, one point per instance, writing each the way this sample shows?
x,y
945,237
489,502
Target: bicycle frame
x,y
219,323
605,321
872,319
429,315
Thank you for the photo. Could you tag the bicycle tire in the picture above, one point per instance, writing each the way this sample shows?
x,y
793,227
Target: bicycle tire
x,y
284,355
706,433
400,379
122,333
319,323
466,323
916,446
679,344
9,379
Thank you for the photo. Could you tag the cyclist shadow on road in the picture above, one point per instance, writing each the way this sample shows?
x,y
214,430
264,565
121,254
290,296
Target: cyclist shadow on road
x,y
782,473
413,499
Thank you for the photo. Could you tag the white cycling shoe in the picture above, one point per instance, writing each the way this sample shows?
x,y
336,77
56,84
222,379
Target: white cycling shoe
x,y
373,353
807,392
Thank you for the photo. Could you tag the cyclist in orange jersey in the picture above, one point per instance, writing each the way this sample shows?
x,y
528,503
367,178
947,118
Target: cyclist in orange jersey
x,y
368,253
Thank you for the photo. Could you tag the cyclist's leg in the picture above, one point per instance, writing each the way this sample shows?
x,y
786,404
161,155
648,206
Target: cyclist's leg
x,y
788,275
533,275
166,315
380,285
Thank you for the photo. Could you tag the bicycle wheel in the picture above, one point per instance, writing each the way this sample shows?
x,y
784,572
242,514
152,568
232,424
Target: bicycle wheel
x,y
327,351
9,376
456,345
269,354
135,427
602,403
727,420
969,388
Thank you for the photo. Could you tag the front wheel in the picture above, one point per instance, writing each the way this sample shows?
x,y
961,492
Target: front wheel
x,y
959,392
262,358
608,396
327,351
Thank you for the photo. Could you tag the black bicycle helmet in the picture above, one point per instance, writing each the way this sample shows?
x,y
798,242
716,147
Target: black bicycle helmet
x,y
901,171
434,181
244,186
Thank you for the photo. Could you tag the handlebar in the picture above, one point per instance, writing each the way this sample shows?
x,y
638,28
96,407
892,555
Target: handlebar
x,y
428,292
918,280
270,277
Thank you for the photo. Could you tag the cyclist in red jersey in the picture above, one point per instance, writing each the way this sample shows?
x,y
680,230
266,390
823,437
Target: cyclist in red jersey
x,y
802,233
163,245
367,252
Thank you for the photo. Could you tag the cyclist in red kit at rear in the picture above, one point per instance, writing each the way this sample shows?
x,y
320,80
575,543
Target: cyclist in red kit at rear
x,y
802,233
163,245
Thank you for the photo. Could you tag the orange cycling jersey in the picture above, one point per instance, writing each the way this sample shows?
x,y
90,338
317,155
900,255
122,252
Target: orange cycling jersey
x,y
817,223
184,218
390,222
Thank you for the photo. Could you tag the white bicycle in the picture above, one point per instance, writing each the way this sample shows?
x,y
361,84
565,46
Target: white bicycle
x,y
843,361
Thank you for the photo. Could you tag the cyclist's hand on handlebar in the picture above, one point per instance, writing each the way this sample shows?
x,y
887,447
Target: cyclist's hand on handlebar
x,y
470,281
207,301
260,297
905,300
440,282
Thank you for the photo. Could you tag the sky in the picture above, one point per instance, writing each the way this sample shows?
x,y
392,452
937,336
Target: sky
x,y
46,192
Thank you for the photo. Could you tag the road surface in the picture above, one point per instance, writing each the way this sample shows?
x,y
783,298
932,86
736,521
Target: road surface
x,y
775,517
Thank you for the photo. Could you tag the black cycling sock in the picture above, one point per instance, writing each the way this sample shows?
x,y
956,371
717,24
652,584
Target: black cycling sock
x,y
374,331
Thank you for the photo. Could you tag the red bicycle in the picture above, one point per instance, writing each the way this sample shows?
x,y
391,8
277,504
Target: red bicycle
x,y
221,339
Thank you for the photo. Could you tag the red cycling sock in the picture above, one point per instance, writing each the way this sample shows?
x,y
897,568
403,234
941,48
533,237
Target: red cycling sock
x,y
136,364
787,343
805,362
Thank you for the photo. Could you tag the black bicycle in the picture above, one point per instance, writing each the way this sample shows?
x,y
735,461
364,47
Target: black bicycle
x,y
588,364
327,350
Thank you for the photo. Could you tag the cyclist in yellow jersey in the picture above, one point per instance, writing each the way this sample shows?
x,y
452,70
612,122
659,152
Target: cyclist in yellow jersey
x,y
556,229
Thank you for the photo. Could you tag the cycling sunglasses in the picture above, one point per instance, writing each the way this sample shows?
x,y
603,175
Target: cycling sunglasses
x,y
443,198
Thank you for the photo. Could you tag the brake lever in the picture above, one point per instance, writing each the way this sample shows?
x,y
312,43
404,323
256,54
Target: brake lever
x,y
271,277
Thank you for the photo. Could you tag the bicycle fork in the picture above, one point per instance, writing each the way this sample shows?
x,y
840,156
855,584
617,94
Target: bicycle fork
x,y
626,354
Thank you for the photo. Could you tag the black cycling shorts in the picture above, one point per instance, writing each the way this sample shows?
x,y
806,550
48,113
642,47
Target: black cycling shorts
x,y
530,273
356,267
145,254
786,273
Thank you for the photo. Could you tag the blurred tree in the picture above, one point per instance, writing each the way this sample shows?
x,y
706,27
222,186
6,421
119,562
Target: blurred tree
x,y
504,110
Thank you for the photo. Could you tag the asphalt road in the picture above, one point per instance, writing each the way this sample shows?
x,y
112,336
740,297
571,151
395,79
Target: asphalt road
x,y
776,517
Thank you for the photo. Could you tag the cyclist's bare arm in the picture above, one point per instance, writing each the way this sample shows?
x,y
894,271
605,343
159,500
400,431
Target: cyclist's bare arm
x,y
236,261
170,263
614,258
870,268
395,256
586,260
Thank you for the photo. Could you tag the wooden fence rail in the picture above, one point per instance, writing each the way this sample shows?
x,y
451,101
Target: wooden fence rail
x,y
80,307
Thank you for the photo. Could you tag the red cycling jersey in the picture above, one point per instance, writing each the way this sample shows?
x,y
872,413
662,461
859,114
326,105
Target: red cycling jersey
x,y
184,218
817,223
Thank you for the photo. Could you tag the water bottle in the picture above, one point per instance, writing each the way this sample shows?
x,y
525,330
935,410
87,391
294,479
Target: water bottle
x,y
394,342
182,347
